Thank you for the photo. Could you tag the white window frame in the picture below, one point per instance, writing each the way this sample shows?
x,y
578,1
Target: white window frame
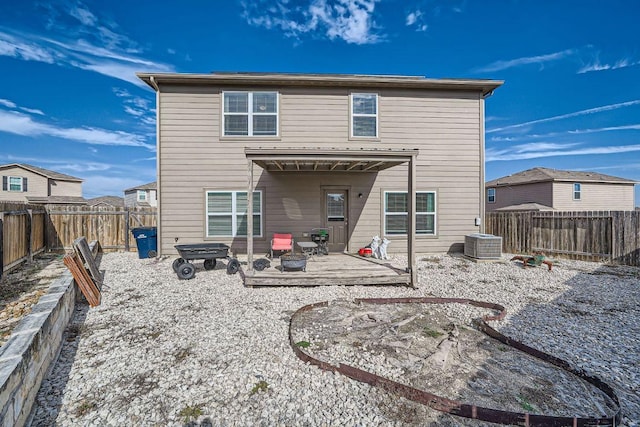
x,y
19,178
491,195
577,190
250,114
418,233
354,115
144,194
233,213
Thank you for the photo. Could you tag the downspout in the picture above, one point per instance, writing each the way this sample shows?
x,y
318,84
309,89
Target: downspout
x,y
153,82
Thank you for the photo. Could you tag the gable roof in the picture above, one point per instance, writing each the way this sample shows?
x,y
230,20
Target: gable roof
x,y
106,200
529,206
150,186
42,171
485,86
539,174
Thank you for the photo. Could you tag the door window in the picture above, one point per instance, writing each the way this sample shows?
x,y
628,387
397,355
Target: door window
x,y
335,206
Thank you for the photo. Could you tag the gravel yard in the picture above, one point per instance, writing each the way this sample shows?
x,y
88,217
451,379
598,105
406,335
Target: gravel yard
x,y
161,351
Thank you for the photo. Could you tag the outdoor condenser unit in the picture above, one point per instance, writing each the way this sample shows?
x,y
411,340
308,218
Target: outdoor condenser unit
x,y
483,246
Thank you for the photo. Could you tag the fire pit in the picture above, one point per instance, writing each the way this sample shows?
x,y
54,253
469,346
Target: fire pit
x,y
293,262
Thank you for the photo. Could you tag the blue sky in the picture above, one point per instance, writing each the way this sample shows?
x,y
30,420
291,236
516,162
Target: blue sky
x,y
70,100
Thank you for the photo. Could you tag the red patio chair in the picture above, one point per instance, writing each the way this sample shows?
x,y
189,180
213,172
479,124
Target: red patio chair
x,y
281,242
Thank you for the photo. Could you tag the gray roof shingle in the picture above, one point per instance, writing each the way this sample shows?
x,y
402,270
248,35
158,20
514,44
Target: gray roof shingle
x,y
149,186
42,171
545,174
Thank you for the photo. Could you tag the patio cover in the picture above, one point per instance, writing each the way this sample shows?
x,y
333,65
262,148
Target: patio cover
x,y
299,160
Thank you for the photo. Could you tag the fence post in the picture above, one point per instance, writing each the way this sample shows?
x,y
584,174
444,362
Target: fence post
x,y
126,230
1,244
30,235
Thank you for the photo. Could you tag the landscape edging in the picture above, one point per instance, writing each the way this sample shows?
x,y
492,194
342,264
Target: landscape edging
x,y
32,348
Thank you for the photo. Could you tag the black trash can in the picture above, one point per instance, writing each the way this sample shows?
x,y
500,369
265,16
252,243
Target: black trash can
x,y
147,241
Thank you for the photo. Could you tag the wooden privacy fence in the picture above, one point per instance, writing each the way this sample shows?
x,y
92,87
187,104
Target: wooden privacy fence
x,y
613,236
21,233
110,226
26,230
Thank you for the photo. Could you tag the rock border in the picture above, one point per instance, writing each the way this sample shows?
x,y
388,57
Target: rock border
x,y
32,348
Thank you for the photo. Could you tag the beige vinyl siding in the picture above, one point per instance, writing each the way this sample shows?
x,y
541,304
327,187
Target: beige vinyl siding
x,y
64,188
130,198
594,196
194,158
36,185
539,192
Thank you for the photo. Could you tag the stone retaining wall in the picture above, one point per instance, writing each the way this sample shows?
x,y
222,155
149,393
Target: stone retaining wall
x,y
34,344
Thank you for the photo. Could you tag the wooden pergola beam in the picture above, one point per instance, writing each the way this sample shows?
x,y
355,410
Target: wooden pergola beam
x,y
373,165
353,165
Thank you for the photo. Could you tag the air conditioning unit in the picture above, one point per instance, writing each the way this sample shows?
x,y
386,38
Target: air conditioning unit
x,y
483,246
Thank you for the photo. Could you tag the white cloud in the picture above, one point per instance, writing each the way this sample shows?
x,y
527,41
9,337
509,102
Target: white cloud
x,y
349,20
22,124
597,66
539,59
89,45
529,151
416,19
120,179
32,111
413,17
8,103
137,107
133,111
83,15
569,115
24,49
565,133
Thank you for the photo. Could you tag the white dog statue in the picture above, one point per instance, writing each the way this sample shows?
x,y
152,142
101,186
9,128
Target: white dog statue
x,y
382,249
374,246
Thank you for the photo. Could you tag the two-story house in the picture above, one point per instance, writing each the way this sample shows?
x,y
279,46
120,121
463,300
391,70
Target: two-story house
x,y
145,196
341,152
552,189
31,184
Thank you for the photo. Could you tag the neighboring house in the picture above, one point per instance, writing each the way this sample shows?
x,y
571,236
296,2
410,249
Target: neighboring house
x,y
552,189
141,196
106,201
31,184
335,151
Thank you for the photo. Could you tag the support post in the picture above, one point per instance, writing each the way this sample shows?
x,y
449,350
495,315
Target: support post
x,y
411,222
30,235
126,230
1,244
249,218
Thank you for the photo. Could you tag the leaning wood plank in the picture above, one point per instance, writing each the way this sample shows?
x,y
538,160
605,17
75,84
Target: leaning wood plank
x,y
82,278
81,247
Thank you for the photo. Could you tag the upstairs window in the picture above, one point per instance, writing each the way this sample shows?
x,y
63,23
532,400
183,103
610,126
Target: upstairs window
x,y
396,213
364,115
250,113
577,191
491,195
14,183
142,196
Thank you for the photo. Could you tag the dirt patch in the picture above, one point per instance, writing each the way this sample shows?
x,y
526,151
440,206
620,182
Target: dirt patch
x,y
424,346
21,289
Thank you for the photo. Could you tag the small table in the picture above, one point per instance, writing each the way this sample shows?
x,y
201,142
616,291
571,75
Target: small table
x,y
308,248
